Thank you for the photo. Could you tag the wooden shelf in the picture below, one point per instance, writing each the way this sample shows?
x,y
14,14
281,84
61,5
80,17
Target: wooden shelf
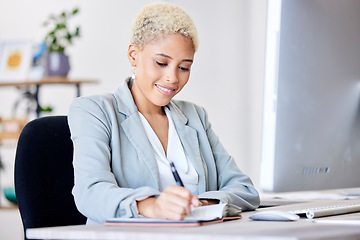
x,y
34,94
10,207
11,128
48,80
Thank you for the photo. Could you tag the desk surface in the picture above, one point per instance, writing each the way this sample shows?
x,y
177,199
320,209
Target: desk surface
x,y
237,229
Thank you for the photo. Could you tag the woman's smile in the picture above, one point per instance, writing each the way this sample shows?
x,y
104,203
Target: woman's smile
x,y
168,91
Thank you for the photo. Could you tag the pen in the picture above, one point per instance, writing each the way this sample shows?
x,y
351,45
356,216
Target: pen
x,y
176,175
178,181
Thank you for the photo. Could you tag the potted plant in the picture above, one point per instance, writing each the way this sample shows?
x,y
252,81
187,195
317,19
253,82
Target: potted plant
x,y
57,39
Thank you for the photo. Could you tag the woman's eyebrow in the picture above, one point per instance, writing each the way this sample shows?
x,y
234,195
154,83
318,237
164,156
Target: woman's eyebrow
x,y
167,56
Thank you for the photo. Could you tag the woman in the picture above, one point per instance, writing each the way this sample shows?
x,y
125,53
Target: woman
x,y
124,142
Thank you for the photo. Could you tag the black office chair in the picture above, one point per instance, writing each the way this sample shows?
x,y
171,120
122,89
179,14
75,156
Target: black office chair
x,y
44,174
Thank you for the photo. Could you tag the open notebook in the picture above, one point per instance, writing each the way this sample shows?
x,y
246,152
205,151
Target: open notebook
x,y
200,216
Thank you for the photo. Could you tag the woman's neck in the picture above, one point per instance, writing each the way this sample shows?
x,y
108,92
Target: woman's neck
x,y
144,106
150,111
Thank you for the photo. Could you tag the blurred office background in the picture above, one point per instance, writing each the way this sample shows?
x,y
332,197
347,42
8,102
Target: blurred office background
x,y
226,78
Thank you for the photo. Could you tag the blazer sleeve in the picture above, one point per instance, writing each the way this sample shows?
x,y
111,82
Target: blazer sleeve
x,y
96,191
233,186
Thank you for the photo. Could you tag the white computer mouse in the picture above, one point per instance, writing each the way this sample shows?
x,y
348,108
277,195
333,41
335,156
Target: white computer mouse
x,y
274,215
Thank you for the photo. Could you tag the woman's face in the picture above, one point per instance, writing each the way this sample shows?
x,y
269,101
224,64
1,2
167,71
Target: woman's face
x,y
161,70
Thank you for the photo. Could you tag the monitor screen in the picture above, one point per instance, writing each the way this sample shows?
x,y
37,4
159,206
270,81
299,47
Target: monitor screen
x,y
311,125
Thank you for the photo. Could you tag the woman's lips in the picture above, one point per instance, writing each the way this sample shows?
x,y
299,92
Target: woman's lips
x,y
165,90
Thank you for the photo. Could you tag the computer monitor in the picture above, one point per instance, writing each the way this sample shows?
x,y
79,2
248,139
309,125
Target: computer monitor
x,y
311,125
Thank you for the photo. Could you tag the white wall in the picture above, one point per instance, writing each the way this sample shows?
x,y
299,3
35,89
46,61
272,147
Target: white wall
x,y
227,76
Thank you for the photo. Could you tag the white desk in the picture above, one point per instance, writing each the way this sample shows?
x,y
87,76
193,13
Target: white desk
x,y
237,229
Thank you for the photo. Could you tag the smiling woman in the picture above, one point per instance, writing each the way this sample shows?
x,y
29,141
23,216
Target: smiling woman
x,y
161,71
128,145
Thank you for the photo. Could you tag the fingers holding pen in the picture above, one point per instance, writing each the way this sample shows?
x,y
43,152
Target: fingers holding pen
x,y
173,203
176,202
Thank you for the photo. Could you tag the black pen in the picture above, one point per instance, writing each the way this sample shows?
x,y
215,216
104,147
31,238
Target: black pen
x,y
179,182
176,175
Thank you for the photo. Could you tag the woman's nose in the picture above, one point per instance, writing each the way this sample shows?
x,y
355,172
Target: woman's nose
x,y
171,76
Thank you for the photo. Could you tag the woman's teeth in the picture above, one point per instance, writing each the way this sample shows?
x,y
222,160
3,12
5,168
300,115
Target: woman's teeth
x,y
164,89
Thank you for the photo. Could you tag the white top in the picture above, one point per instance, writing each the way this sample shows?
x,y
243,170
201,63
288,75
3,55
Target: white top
x,y
175,153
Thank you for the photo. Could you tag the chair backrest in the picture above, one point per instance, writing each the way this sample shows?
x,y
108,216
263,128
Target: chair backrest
x,y
44,174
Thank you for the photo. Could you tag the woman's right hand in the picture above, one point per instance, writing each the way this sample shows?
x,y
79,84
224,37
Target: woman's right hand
x,y
173,203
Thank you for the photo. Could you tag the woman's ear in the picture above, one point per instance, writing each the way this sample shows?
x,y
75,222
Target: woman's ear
x,y
132,54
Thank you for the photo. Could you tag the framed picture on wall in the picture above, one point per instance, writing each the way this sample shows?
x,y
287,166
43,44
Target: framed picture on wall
x,y
15,60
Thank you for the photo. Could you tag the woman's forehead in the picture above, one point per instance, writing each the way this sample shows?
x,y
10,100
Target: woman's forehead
x,y
171,46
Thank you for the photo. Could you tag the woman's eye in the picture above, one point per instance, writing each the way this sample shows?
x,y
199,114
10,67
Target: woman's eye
x,y
161,64
185,69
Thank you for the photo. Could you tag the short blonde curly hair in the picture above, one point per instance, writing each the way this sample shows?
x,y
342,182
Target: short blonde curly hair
x,y
161,19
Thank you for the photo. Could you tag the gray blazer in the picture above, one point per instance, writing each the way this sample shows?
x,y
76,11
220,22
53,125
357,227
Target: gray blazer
x,y
114,161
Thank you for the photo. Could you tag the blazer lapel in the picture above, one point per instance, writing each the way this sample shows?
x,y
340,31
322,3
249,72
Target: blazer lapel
x,y
134,131
189,139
